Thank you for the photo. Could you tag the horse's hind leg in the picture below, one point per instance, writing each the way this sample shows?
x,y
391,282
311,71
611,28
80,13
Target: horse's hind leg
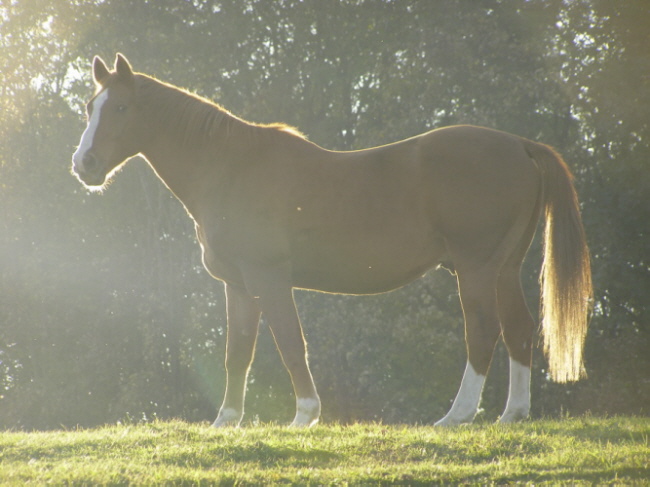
x,y
478,298
518,326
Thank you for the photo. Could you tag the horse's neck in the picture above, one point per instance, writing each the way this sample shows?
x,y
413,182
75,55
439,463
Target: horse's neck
x,y
187,169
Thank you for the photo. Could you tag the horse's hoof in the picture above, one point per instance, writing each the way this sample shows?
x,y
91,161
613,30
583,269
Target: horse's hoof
x,y
513,416
449,421
227,417
307,413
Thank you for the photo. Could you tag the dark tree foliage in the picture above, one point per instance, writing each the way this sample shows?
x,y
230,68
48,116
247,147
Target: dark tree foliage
x,y
105,311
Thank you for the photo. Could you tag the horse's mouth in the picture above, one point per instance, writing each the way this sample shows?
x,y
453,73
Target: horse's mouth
x,y
89,170
91,179
93,182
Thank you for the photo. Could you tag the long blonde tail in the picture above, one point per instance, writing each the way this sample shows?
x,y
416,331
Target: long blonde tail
x,y
567,292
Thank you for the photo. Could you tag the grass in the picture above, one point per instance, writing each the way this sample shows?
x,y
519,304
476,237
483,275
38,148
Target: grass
x,y
586,450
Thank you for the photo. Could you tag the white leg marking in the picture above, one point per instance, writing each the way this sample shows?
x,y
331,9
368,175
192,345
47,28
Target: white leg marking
x,y
89,134
518,405
227,417
307,412
467,400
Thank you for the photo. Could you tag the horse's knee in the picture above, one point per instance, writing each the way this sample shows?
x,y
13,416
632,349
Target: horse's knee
x,y
518,330
482,332
519,343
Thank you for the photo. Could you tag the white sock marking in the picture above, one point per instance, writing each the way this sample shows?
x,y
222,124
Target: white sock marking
x,y
89,134
467,400
518,405
227,417
307,411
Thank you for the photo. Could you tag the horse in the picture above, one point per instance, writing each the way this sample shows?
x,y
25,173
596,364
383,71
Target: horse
x,y
274,212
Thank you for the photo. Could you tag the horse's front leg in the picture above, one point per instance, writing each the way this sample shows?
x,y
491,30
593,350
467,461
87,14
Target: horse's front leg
x,y
279,310
243,322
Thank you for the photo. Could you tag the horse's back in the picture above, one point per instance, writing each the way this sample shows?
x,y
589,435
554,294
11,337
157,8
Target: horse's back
x,y
375,219
358,223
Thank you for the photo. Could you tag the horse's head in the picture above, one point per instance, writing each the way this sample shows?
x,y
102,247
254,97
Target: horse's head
x,y
111,135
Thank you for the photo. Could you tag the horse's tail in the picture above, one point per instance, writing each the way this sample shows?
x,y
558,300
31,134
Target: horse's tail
x,y
565,279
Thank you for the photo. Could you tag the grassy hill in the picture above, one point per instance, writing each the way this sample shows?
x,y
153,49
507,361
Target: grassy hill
x,y
585,450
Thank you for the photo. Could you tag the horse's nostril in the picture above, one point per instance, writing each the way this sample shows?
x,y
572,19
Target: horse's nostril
x,y
89,161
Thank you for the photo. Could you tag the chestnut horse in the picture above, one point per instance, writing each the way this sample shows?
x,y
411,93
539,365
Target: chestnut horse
x,y
274,212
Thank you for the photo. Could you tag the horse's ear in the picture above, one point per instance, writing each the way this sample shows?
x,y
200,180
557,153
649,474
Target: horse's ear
x,y
122,67
100,71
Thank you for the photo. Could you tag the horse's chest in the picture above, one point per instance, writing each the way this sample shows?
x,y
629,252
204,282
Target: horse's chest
x,y
218,258
228,244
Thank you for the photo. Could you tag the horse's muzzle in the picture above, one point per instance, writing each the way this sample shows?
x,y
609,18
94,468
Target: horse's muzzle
x,y
88,169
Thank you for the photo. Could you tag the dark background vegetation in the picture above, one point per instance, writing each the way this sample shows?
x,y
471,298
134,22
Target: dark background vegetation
x,y
105,311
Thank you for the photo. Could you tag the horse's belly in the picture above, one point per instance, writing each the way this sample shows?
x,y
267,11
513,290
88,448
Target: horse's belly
x,y
371,267
365,281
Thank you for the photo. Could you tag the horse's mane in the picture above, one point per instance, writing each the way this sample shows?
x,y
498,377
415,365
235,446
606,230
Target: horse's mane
x,y
197,119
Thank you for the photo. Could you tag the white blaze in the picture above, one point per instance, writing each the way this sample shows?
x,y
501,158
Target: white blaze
x,y
89,134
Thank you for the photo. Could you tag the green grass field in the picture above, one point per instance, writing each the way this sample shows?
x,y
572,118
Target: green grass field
x,y
573,451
